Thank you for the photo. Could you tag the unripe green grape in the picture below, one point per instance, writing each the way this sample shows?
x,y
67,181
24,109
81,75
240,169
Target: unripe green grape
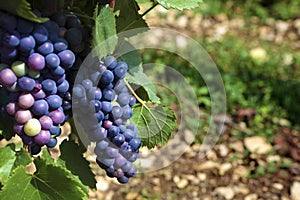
x,y
19,68
32,127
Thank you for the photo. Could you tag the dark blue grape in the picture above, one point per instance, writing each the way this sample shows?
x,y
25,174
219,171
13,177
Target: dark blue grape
x,y
98,134
117,112
35,149
11,40
110,62
40,33
128,135
78,91
119,140
119,161
100,116
95,106
52,29
26,84
55,130
118,122
52,60
127,167
60,45
74,36
58,71
108,94
54,101
49,86
94,93
120,86
63,87
24,26
60,79
113,131
87,84
60,18
133,158
8,53
52,143
94,77
123,179
106,107
107,77
127,112
66,105
111,152
40,107
123,99
67,58
106,161
27,43
132,101
45,48
72,21
121,70
135,143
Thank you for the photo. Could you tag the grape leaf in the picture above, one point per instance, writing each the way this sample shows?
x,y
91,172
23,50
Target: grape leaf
x,y
48,182
9,160
22,158
104,32
76,163
129,17
179,4
155,123
129,54
138,77
20,8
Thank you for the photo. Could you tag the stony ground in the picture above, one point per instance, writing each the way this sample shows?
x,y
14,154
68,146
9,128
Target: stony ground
x,y
250,168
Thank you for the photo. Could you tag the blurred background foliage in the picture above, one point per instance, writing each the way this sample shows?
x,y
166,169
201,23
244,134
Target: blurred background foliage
x,y
258,74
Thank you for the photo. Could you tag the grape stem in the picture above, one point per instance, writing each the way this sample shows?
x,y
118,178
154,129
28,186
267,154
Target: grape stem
x,y
134,94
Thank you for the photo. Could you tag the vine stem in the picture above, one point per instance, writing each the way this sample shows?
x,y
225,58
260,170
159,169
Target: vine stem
x,y
134,94
149,9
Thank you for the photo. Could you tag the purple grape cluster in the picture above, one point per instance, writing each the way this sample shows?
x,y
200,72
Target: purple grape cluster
x,y
104,108
35,58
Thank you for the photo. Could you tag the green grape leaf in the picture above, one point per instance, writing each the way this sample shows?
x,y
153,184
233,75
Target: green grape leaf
x,y
20,8
10,159
48,182
46,158
7,160
72,155
22,158
104,32
179,4
129,54
155,123
138,77
129,17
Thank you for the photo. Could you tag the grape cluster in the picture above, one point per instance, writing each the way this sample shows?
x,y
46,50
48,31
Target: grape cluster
x,y
35,58
104,108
